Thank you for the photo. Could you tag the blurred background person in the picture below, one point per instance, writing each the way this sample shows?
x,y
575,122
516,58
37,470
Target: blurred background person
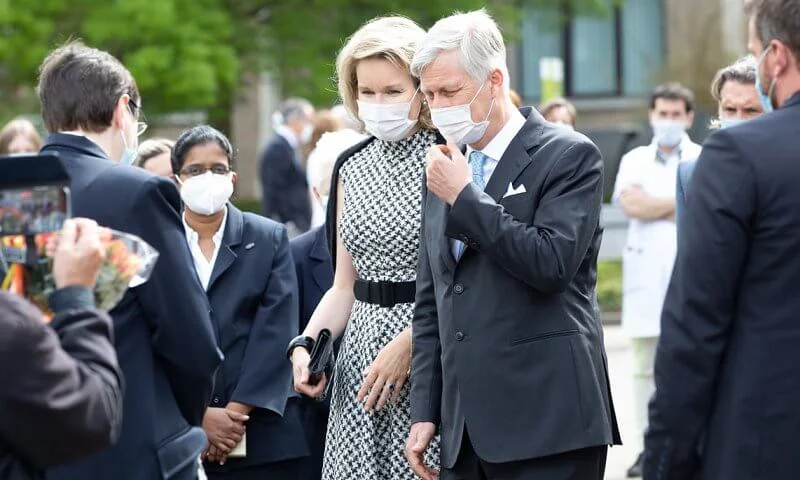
x,y
244,263
283,178
19,136
62,390
324,121
373,229
645,189
734,89
515,98
560,111
345,118
314,270
154,156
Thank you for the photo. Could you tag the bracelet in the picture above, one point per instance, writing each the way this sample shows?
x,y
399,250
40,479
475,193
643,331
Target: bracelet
x,y
303,341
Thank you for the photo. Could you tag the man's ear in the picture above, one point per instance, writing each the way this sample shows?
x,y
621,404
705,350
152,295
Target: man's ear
x,y
121,115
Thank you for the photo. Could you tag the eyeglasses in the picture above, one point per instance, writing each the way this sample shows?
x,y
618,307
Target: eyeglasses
x,y
141,127
197,170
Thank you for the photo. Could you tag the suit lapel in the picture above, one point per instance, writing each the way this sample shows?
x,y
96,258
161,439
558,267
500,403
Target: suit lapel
x,y
321,272
445,243
510,166
230,239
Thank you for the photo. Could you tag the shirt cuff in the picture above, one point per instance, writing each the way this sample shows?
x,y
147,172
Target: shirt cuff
x,y
71,298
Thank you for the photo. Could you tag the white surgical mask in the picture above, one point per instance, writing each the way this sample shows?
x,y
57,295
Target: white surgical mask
x,y
305,135
455,123
668,133
323,200
206,194
387,121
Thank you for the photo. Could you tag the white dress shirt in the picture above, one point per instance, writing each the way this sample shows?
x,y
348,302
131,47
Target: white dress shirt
x,y
201,265
494,151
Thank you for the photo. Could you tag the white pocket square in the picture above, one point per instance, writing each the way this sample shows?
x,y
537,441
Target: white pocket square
x,y
514,191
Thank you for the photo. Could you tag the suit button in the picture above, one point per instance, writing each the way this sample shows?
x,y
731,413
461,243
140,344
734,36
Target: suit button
x,y
458,288
459,336
216,399
473,245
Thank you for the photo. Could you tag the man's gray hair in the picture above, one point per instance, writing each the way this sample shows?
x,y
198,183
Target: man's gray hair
x,y
477,38
292,108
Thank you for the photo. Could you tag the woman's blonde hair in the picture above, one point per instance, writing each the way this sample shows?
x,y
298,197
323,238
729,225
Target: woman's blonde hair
x,y
19,127
394,39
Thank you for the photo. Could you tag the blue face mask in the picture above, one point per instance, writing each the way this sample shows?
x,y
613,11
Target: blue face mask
x,y
130,154
764,98
730,122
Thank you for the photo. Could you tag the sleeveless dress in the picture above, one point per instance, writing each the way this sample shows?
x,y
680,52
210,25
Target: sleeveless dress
x,y
380,228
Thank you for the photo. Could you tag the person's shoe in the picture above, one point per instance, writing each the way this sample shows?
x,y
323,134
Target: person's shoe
x,y
636,469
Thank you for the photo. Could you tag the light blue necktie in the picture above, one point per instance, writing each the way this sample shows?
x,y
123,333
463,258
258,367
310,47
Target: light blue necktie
x,y
477,160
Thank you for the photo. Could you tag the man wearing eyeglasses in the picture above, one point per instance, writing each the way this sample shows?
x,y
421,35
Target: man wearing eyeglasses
x,y
163,335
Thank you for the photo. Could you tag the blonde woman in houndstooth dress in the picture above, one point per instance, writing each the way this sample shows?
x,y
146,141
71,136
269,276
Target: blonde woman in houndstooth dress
x,y
375,220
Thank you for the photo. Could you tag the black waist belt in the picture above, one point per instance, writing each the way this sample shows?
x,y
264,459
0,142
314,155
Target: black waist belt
x,y
385,294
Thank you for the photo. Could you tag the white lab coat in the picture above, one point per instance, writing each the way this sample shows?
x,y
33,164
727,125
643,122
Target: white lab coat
x,y
650,248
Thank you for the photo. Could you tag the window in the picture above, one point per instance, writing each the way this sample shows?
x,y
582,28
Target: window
x,y
614,55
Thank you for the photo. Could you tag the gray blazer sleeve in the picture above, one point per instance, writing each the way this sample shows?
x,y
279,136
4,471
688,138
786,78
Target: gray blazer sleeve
x,y
63,387
426,364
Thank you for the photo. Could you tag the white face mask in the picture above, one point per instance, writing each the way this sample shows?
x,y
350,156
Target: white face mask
x,y
305,135
206,194
387,121
323,200
668,133
455,123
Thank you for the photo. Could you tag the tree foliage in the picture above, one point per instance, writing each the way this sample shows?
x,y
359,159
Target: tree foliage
x,y
193,54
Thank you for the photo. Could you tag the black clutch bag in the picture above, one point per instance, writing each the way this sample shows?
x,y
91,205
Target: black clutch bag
x,y
321,362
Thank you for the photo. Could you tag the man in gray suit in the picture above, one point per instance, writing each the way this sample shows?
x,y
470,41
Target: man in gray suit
x,y
508,357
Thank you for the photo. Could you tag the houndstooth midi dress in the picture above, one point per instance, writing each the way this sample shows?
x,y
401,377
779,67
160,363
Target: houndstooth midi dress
x,y
380,228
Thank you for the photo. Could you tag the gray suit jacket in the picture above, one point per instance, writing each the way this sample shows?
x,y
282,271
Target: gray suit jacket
x,y
506,341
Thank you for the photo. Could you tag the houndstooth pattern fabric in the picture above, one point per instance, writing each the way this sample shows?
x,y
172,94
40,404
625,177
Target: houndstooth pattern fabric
x,y
380,229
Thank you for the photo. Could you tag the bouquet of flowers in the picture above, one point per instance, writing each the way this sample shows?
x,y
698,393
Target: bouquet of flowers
x,y
129,260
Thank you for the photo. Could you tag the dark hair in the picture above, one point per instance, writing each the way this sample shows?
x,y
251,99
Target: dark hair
x,y
777,20
743,71
547,108
673,91
195,136
79,88
151,148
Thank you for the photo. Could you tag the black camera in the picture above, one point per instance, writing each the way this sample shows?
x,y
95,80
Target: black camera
x,y
34,200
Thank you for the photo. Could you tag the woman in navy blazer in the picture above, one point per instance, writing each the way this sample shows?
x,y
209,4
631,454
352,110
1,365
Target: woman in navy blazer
x,y
244,262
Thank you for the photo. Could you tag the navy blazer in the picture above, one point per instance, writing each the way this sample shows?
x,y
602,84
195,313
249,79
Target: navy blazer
x,y
727,367
253,298
312,263
286,197
162,329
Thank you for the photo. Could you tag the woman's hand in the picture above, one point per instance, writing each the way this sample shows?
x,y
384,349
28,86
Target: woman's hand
x,y
387,375
300,359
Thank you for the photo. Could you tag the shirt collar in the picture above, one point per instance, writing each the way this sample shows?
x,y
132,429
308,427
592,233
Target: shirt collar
x,y
193,237
497,146
288,135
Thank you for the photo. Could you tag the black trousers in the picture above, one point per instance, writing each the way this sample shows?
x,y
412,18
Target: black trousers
x,y
584,464
284,470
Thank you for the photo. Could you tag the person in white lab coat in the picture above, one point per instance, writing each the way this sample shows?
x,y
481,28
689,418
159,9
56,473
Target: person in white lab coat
x,y
645,189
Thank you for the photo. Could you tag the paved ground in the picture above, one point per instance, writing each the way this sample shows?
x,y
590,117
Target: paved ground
x,y
619,364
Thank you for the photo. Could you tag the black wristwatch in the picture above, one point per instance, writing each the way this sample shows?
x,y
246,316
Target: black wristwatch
x,y
303,341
